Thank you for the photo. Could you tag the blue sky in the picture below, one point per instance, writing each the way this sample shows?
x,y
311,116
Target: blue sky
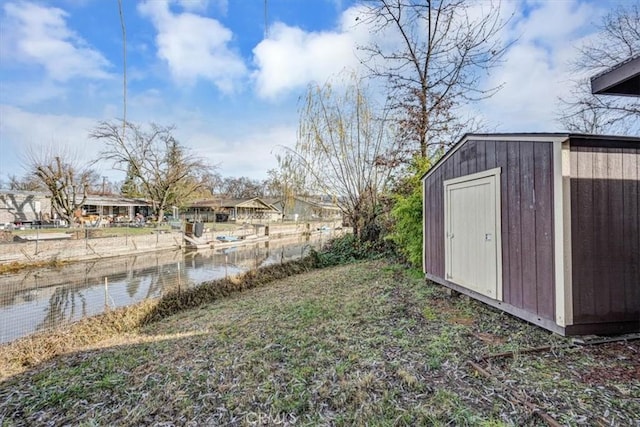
x,y
206,67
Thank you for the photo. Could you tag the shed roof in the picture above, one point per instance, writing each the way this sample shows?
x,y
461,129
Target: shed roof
x,y
622,79
602,140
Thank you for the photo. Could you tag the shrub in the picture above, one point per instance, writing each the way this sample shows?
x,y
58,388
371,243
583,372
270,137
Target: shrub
x,y
345,249
407,213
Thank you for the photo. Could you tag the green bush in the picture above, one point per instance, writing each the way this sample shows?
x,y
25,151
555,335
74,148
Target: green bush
x,y
407,233
407,213
343,250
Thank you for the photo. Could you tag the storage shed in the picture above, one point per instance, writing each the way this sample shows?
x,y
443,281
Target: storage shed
x,y
544,226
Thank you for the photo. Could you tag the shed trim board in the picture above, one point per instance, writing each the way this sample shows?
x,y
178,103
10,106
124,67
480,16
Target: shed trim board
x,y
537,207
508,308
562,231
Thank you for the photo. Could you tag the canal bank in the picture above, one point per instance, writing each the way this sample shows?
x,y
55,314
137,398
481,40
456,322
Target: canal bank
x,y
40,300
89,244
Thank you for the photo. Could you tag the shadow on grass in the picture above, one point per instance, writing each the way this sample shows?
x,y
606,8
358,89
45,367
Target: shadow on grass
x,y
29,351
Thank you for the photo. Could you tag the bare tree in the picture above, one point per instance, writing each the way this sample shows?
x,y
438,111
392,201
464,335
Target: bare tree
x,y
617,41
342,148
287,181
167,173
442,49
241,187
27,183
66,179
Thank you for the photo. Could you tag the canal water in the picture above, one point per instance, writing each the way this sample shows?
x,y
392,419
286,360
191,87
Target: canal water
x,y
44,299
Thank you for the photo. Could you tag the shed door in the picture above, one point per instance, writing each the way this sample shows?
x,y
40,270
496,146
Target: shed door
x,y
472,235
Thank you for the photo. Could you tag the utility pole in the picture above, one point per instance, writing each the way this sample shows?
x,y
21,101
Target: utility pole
x,y
266,20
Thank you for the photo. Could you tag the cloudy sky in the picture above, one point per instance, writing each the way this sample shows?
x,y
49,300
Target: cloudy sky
x,y
231,88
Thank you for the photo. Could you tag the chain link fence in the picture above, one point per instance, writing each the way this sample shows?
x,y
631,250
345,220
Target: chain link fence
x,y
41,299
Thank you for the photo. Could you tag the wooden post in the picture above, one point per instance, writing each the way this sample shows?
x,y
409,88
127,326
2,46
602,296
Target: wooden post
x,y
106,293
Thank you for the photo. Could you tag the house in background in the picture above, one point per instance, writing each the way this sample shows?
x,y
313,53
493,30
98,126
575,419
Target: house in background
x,y
29,206
239,210
117,208
543,226
24,206
308,209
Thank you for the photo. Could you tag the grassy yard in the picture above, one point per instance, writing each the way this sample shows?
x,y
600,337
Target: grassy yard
x,y
361,344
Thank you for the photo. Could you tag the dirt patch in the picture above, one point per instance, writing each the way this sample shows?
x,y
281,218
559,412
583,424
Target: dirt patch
x,y
6,236
623,363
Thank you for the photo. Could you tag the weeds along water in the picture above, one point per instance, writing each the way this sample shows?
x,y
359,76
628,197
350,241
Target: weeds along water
x,y
43,298
366,343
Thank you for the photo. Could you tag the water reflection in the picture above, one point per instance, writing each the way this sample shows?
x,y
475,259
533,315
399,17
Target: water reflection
x,y
39,300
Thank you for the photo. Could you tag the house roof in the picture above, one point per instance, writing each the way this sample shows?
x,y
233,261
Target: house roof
x,y
113,201
622,79
526,136
253,202
319,204
25,193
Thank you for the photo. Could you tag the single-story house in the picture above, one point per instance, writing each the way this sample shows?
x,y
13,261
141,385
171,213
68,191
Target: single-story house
x,y
116,207
307,209
543,226
24,206
220,210
30,206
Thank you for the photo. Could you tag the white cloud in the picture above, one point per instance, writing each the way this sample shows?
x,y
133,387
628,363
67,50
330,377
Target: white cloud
x,y
536,69
551,22
202,5
21,130
26,93
39,35
249,155
194,5
291,58
195,47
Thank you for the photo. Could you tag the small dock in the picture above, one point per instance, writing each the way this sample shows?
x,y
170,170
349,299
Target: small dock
x,y
193,242
45,236
196,242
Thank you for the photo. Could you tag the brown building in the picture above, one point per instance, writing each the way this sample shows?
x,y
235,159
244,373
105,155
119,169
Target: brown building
x,y
239,210
543,226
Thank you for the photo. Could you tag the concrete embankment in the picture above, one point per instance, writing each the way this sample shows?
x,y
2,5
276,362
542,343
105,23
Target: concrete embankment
x,y
90,248
79,249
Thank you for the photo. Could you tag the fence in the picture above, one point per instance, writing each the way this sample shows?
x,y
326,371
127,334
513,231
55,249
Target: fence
x,y
46,298
80,244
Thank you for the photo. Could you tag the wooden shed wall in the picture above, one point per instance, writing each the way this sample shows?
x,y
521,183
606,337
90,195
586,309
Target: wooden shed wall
x,y
605,230
526,186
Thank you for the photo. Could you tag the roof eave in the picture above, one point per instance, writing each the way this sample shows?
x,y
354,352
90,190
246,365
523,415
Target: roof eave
x,y
621,80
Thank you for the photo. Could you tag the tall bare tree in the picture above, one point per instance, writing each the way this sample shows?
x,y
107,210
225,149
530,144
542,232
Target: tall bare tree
x,y
67,180
433,56
342,148
287,181
241,187
27,183
166,171
618,40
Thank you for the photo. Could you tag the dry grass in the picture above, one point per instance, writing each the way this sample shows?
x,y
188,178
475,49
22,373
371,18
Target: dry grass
x,y
363,344
15,266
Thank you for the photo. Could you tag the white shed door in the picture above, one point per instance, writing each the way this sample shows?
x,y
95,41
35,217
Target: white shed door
x,y
472,233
